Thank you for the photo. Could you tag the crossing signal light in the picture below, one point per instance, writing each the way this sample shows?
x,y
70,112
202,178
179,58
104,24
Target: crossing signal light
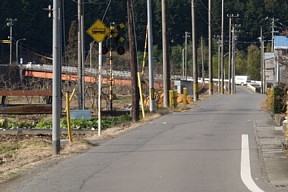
x,y
105,50
120,50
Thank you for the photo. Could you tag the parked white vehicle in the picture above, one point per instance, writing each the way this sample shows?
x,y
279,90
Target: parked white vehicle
x,y
242,80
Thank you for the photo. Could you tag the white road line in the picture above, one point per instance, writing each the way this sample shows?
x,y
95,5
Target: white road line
x,y
245,166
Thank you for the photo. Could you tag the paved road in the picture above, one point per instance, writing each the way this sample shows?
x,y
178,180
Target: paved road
x,y
198,150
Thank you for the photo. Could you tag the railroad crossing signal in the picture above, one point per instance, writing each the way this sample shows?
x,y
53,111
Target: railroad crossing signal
x,y
115,37
98,31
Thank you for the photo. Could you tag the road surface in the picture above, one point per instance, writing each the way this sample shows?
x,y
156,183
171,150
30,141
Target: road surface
x,y
210,148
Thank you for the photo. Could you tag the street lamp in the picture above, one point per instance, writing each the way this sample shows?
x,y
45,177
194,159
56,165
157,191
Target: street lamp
x,y
17,51
10,23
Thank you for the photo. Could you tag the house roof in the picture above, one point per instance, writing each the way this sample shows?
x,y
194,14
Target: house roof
x,y
280,42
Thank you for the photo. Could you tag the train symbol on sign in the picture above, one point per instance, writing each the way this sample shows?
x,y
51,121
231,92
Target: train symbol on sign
x,y
98,30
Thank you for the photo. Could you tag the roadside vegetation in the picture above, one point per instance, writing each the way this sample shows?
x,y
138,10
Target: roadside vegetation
x,y
75,123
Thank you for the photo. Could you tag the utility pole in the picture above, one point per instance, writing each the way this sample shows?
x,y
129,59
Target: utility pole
x,y
150,55
230,55
263,62
10,23
202,59
80,64
261,39
194,54
222,49
219,63
229,59
166,64
272,32
183,63
133,63
210,49
187,34
56,95
232,59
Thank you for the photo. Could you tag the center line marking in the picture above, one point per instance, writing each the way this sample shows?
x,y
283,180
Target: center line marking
x,y
245,166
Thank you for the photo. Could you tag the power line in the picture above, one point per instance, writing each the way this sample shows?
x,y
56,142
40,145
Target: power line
x,y
203,5
106,10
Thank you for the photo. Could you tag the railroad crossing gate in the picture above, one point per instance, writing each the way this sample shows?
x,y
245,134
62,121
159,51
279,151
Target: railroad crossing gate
x,y
99,31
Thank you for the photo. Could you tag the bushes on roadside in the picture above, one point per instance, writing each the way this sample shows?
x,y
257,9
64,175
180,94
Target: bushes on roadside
x,y
75,123
276,99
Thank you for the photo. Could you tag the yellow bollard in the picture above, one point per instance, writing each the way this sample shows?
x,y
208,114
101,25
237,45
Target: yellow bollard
x,y
68,118
175,95
195,89
145,51
171,99
184,97
71,97
141,96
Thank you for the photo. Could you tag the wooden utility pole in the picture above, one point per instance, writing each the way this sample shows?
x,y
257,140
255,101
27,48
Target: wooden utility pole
x,y
133,63
166,67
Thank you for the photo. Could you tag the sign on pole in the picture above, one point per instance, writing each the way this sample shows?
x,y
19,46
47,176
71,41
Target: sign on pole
x,y
99,31
5,41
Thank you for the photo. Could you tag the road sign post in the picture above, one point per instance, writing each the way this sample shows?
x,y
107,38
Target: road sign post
x,y
99,31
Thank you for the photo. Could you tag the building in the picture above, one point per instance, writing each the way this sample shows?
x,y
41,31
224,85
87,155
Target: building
x,y
280,59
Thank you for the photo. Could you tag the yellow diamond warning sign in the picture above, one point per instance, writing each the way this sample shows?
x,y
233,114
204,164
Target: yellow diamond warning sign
x,y
98,31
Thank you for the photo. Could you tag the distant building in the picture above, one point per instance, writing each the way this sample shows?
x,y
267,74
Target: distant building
x,y
269,60
281,59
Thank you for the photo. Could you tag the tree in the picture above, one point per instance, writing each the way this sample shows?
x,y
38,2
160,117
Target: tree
x,y
71,49
254,62
241,63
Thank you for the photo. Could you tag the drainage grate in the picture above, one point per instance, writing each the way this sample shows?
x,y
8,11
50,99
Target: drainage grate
x,y
281,186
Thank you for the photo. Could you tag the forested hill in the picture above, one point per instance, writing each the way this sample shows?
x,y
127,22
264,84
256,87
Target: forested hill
x,y
33,22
